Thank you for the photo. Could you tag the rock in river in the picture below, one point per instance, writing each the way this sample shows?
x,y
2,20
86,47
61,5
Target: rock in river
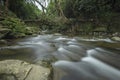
x,y
3,42
20,70
116,38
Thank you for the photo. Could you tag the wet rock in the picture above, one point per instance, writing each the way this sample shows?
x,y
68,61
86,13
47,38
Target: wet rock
x,y
4,30
52,45
116,38
57,34
116,34
34,34
47,61
20,70
3,41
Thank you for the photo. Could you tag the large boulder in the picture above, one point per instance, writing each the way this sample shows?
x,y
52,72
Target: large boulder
x,y
20,70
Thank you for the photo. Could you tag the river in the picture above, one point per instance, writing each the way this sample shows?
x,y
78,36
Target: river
x,y
77,58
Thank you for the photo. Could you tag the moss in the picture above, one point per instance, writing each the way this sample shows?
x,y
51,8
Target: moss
x,y
17,28
31,30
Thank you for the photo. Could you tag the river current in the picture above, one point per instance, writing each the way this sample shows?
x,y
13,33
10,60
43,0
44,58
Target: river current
x,y
77,58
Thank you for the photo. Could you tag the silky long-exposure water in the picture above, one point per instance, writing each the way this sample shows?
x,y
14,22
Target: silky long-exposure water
x,y
77,58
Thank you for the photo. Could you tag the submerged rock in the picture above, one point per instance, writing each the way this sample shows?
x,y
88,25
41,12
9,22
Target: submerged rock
x,y
20,70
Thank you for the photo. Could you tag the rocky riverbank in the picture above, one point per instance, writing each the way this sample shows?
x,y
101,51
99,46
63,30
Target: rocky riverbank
x,y
20,70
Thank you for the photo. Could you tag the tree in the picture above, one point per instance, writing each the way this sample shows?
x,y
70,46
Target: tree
x,y
55,7
24,9
6,5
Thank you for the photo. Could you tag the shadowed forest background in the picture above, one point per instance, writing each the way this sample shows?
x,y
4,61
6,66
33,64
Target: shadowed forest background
x,y
19,18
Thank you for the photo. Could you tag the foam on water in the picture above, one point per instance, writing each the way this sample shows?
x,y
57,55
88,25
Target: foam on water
x,y
74,70
74,46
61,49
67,39
31,42
103,69
13,47
69,53
106,40
102,50
89,67
73,40
61,63
90,52
62,38
70,42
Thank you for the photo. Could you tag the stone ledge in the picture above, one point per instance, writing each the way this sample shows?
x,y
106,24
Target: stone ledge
x,y
22,71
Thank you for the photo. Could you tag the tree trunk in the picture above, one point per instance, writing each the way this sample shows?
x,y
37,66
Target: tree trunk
x,y
59,9
113,4
6,6
43,7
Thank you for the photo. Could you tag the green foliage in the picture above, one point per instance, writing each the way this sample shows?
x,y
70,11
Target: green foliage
x,y
16,26
105,13
32,30
51,9
23,9
90,8
87,27
68,8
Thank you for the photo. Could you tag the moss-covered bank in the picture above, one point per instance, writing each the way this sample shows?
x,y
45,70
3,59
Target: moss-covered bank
x,y
11,28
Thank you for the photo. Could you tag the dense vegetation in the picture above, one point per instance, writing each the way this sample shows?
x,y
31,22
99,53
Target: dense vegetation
x,y
64,16
12,14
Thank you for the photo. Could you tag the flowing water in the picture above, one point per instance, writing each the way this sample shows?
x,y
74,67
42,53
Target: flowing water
x,y
77,58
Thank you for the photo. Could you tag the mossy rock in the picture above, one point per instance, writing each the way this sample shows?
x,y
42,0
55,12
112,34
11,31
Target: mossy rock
x,y
31,30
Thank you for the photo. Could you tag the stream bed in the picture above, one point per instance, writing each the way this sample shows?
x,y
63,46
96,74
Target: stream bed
x,y
76,58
